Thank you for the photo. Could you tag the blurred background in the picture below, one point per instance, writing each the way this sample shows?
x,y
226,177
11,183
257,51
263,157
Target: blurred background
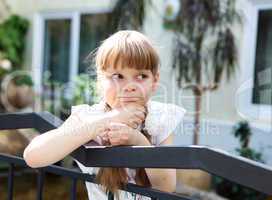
x,y
215,62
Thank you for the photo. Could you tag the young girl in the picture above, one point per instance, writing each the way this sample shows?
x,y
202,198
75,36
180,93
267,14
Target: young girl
x,y
128,74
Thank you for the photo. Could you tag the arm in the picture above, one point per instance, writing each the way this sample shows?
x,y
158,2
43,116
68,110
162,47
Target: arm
x,y
55,144
162,179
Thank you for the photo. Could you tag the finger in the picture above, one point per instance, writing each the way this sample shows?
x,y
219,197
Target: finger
x,y
105,137
139,110
133,124
114,141
141,114
119,141
139,118
138,122
130,124
102,133
116,126
114,134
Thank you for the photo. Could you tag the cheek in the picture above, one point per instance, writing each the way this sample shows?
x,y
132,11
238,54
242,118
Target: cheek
x,y
109,91
146,89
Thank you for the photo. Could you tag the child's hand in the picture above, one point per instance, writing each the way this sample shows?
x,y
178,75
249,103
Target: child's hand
x,y
132,115
121,134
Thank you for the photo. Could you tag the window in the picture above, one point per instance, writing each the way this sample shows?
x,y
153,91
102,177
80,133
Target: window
x,y
57,49
62,41
93,29
262,90
254,95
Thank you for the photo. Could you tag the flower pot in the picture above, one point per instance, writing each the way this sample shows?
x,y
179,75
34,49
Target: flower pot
x,y
20,96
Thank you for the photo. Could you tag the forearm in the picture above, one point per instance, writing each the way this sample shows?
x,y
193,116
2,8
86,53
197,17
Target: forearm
x,y
54,145
161,179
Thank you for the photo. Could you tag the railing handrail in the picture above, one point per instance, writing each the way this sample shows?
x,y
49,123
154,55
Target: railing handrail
x,y
57,170
243,171
234,168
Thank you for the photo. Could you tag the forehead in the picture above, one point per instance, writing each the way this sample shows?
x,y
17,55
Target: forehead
x,y
126,70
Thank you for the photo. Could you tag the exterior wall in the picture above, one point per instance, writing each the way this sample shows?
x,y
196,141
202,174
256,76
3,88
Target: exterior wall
x,y
3,11
216,105
30,8
219,111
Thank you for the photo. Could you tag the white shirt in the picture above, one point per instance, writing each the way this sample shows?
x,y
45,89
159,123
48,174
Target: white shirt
x,y
161,121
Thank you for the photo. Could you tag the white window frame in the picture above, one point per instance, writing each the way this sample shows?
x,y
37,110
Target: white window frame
x,y
38,42
248,54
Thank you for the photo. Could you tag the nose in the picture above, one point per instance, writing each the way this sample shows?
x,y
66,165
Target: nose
x,y
130,87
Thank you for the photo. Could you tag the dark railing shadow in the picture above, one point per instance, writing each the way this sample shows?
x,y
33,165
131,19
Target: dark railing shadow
x,y
240,170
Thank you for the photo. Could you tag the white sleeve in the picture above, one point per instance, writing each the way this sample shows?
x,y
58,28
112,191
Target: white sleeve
x,y
87,112
169,121
78,108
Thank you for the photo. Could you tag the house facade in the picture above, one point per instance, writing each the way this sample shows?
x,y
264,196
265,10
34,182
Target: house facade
x,y
62,33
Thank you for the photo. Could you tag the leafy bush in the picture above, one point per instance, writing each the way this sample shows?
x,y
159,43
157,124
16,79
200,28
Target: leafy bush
x,y
24,80
232,190
83,91
12,39
59,97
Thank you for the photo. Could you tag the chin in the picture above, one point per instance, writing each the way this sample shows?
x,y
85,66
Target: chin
x,y
132,102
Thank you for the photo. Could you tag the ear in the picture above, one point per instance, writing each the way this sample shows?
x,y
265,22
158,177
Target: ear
x,y
156,81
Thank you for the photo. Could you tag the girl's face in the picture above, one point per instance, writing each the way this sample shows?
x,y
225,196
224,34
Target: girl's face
x,y
122,86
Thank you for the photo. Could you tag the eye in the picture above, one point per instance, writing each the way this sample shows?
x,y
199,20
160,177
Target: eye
x,y
117,76
142,76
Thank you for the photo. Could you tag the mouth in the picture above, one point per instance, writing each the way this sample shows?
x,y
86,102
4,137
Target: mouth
x,y
129,99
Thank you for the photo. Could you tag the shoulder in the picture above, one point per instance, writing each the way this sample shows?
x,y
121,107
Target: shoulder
x,y
164,112
157,107
163,119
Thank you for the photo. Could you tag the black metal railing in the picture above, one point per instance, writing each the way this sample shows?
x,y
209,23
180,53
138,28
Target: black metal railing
x,y
234,168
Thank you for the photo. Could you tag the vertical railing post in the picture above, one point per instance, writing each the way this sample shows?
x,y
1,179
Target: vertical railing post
x,y
40,180
10,181
73,189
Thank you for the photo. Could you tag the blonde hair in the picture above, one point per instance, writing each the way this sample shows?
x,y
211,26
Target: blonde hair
x,y
125,49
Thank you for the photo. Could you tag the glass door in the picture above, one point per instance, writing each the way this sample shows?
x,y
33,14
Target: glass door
x,y
56,60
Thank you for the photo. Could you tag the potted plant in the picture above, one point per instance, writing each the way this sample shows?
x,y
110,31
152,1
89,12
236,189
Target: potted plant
x,y
20,92
16,86
232,190
12,42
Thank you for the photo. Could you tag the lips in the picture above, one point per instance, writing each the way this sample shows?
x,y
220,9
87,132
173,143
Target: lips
x,y
129,99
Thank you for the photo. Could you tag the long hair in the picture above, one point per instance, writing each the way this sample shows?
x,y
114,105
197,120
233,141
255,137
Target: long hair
x,y
115,178
129,49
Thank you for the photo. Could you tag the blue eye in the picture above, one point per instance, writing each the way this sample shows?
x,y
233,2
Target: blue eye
x,y
117,76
